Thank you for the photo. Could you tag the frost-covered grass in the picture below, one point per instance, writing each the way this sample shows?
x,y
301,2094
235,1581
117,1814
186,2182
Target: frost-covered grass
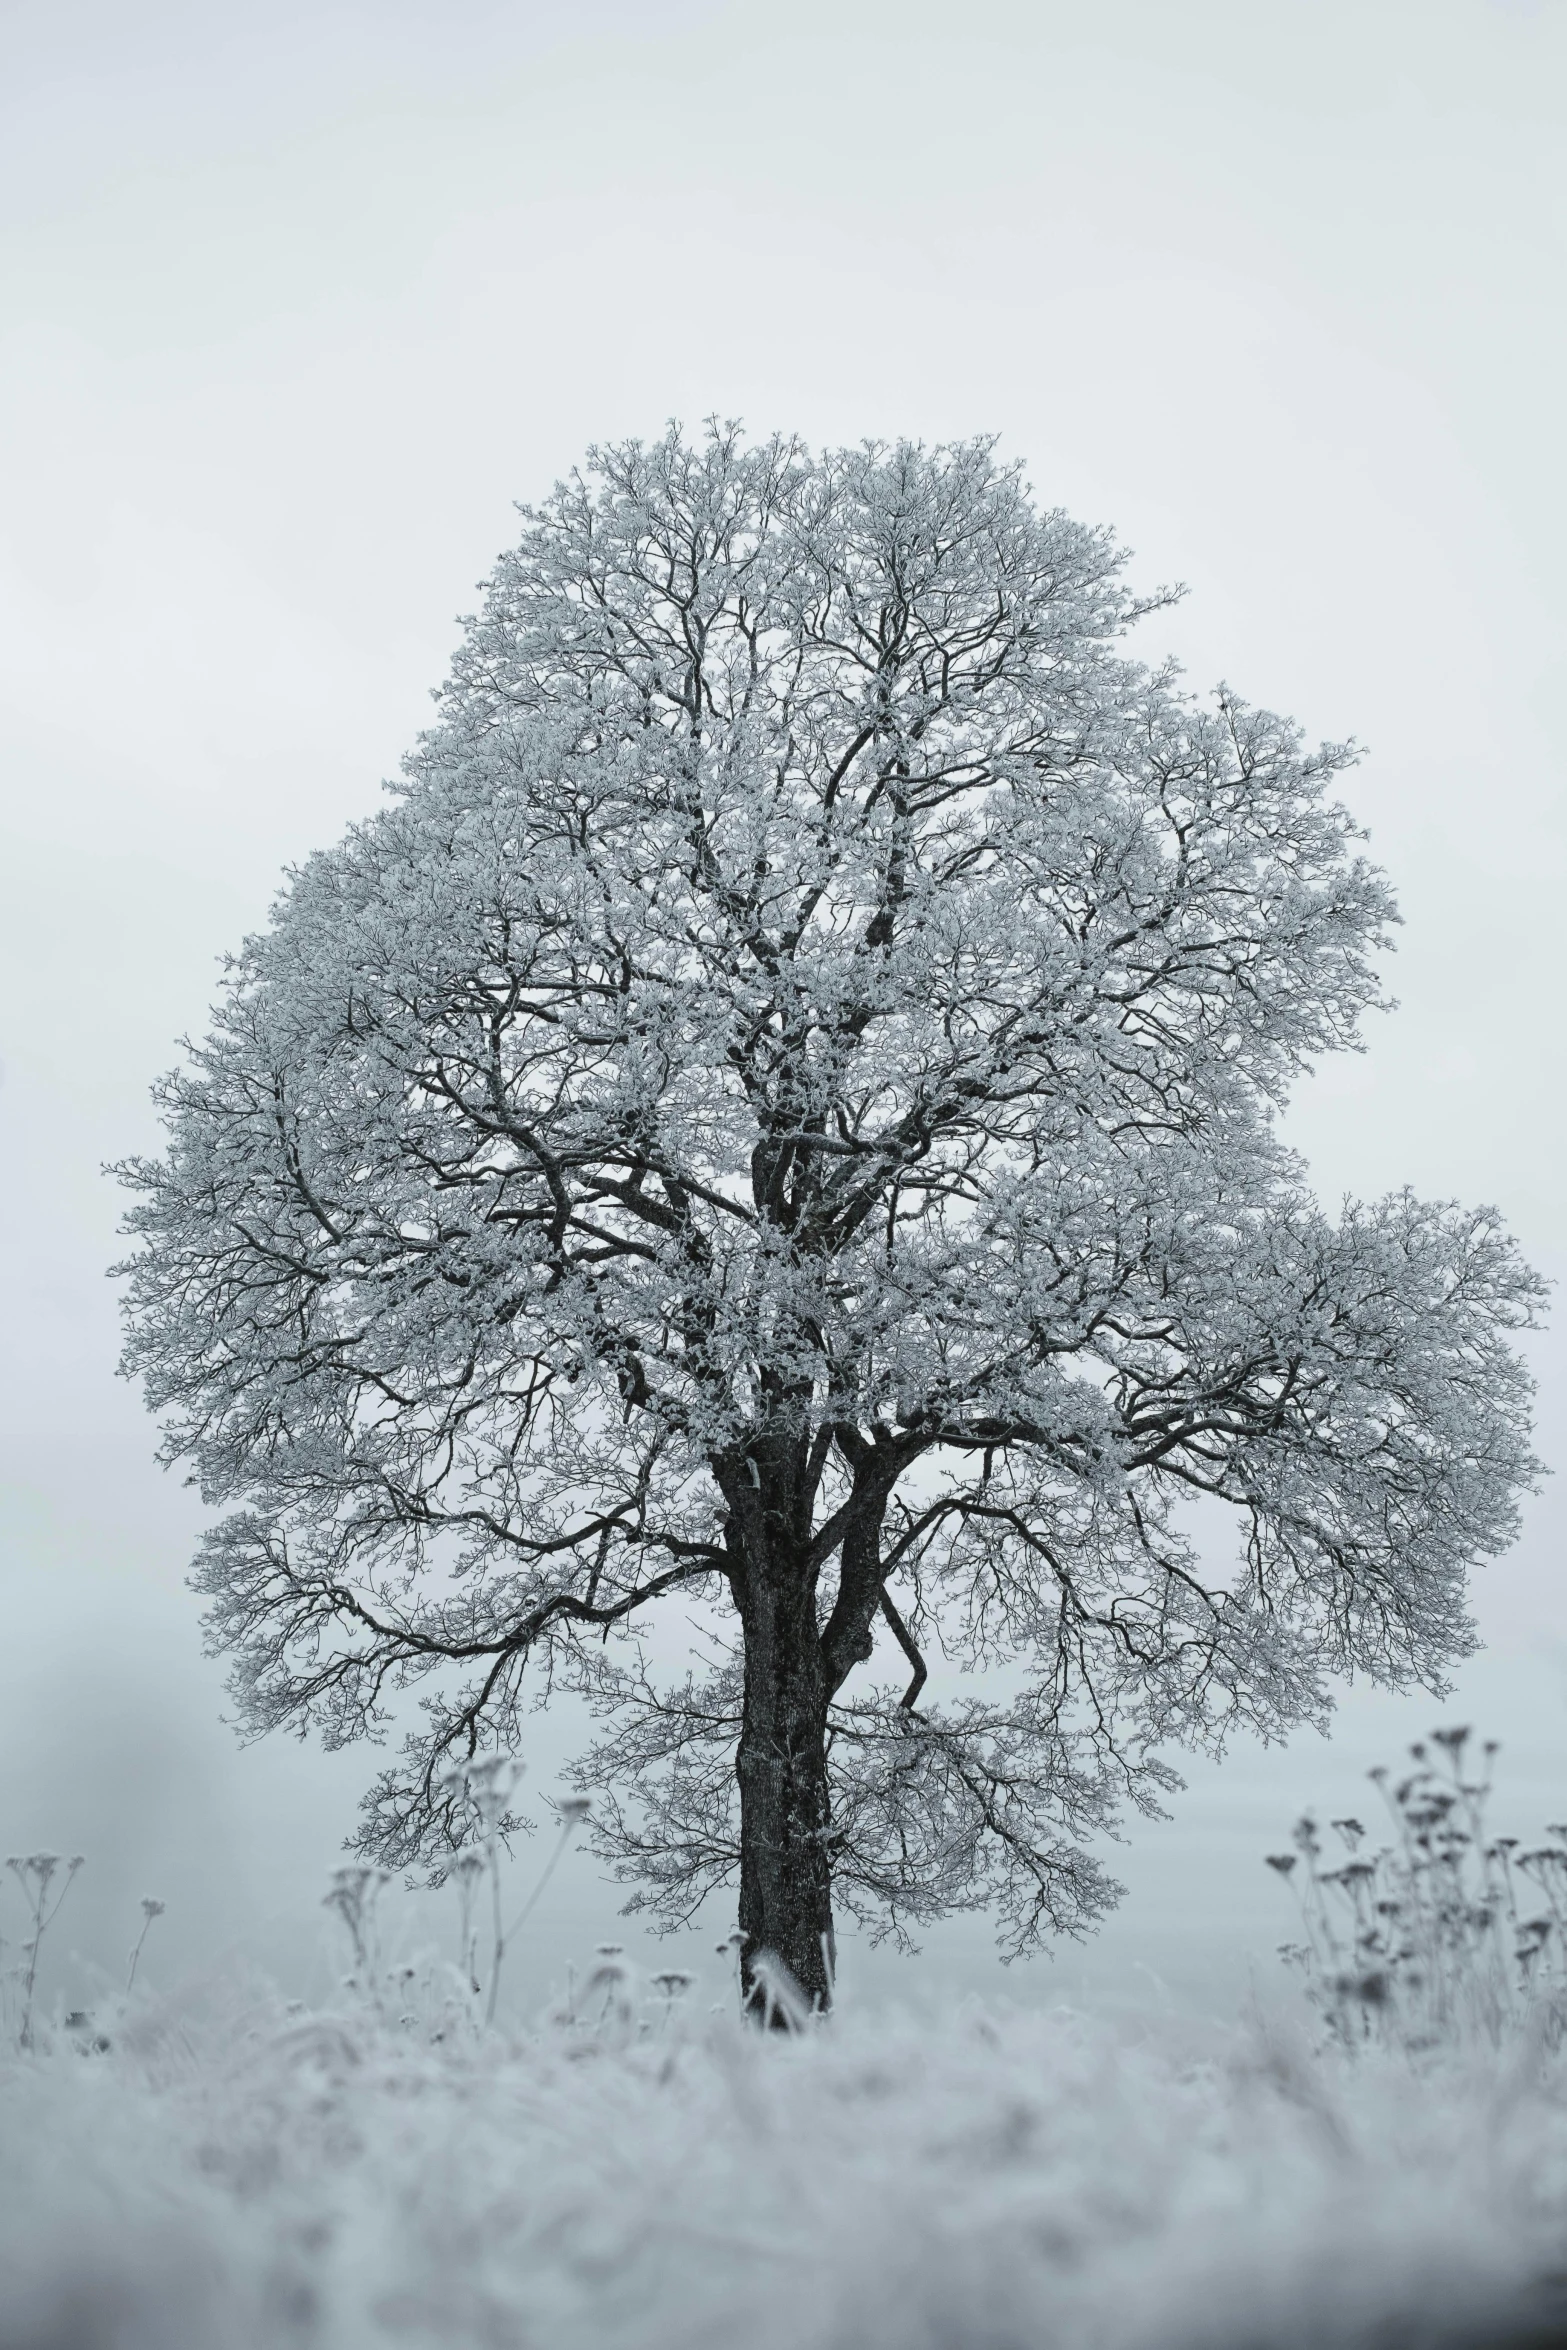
x,y
236,2174
643,2170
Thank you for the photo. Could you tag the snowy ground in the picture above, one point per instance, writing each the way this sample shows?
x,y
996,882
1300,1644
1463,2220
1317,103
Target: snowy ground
x,y
234,2174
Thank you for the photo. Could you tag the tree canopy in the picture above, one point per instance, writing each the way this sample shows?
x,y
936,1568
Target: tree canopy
x,y
779,1111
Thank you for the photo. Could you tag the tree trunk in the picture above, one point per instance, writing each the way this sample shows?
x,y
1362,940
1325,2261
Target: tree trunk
x,y
785,1877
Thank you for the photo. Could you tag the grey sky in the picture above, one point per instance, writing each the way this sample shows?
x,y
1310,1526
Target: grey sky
x,y
297,299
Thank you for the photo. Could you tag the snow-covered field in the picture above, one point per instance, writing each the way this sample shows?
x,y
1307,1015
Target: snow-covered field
x,y
230,2173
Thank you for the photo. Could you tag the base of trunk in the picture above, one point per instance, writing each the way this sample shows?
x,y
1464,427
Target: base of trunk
x,y
786,1958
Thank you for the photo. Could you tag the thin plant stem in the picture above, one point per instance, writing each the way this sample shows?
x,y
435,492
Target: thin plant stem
x,y
500,1938
150,1909
34,1875
550,1866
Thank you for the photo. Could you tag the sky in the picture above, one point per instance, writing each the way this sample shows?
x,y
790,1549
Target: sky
x,y
296,301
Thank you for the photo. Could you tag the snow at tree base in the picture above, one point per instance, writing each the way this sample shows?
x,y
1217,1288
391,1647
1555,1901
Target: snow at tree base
x,y
776,1115
641,2169
233,2176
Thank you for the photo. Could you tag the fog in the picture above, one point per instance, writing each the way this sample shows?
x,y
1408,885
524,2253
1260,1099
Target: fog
x,y
298,300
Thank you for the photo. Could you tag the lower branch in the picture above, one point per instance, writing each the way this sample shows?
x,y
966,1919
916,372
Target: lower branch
x,y
906,1642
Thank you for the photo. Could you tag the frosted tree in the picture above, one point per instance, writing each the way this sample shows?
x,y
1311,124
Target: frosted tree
x,y
777,1115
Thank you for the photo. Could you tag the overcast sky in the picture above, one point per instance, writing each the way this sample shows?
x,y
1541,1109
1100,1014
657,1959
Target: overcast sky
x,y
298,299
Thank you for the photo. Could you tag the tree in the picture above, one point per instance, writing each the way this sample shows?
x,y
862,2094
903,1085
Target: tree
x,y
778,1112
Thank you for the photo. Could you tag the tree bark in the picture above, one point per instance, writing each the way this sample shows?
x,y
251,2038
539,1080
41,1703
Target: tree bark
x,y
794,1666
785,1872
